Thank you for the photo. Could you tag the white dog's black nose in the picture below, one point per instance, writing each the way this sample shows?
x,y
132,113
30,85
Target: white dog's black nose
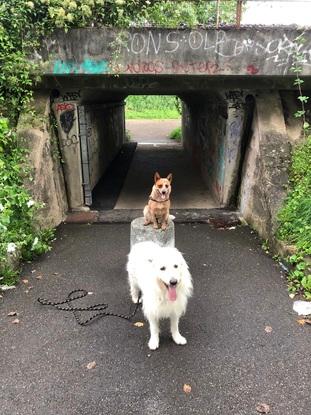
x,y
173,281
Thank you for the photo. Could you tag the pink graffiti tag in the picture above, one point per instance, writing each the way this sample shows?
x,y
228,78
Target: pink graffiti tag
x,y
252,70
64,106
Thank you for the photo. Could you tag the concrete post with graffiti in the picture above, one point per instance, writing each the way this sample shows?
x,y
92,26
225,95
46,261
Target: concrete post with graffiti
x,y
68,131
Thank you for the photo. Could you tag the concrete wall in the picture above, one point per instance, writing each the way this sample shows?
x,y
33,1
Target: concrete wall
x,y
265,173
213,126
248,51
66,114
105,134
48,184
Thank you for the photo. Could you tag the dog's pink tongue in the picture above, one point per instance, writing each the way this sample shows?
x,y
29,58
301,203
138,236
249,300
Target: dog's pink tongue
x,y
172,293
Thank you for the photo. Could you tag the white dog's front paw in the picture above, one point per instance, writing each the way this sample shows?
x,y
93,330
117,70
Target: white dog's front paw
x,y
153,344
179,339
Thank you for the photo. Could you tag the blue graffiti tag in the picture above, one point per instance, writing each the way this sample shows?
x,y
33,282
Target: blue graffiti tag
x,y
88,66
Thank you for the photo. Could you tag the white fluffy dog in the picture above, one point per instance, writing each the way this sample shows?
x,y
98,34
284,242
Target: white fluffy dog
x,y
162,276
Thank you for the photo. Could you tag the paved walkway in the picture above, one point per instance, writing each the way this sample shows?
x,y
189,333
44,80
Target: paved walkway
x,y
188,191
152,131
231,362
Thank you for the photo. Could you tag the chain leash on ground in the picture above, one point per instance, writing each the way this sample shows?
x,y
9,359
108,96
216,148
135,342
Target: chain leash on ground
x,y
80,293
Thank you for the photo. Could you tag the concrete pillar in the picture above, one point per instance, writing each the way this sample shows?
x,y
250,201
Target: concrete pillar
x,y
141,233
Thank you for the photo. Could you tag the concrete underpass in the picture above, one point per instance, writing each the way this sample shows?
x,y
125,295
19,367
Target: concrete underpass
x,y
238,102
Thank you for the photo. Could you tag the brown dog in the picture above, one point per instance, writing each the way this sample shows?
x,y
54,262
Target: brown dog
x,y
157,210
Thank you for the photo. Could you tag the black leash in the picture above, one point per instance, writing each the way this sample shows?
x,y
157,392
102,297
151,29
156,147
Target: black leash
x,y
96,307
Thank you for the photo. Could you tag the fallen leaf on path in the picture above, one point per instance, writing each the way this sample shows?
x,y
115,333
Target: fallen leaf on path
x,y
6,287
292,295
268,329
187,388
39,277
91,365
25,281
263,408
16,321
139,324
12,313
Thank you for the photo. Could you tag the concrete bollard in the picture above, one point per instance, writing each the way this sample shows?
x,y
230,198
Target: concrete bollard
x,y
141,233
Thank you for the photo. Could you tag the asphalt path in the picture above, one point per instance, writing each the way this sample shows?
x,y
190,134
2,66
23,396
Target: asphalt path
x,y
244,348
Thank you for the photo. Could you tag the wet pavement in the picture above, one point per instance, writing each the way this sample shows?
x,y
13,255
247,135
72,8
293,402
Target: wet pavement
x,y
232,361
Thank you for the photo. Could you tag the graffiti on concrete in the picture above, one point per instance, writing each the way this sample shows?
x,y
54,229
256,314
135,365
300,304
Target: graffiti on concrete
x,y
67,119
235,128
222,44
156,51
235,99
71,96
70,141
63,106
88,66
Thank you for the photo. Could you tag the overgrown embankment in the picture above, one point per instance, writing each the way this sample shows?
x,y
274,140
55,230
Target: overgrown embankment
x,y
295,220
20,235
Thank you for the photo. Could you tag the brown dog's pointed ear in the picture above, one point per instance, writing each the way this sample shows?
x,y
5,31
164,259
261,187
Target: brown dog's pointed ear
x,y
170,177
156,176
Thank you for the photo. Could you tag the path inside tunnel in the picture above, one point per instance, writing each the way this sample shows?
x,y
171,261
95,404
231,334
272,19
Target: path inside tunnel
x,y
188,188
133,170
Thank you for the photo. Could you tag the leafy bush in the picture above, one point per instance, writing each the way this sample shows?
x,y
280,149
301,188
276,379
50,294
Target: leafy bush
x,y
295,218
176,134
19,235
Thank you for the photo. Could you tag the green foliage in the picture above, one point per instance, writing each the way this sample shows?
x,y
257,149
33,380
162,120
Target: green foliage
x,y
151,107
295,216
172,14
19,235
176,134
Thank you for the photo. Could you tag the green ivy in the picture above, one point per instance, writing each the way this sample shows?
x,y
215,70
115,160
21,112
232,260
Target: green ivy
x,y
295,219
19,235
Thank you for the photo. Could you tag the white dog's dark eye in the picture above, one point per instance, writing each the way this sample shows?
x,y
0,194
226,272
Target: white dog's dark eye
x,y
162,268
175,266
150,260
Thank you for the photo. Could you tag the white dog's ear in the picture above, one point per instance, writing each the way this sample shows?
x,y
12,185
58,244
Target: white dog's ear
x,y
186,277
170,177
156,177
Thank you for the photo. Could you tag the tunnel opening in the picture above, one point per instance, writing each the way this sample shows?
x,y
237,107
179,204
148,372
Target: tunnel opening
x,y
104,170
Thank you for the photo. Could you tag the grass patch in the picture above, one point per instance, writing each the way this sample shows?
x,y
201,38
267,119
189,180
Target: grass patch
x,y
176,134
151,107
